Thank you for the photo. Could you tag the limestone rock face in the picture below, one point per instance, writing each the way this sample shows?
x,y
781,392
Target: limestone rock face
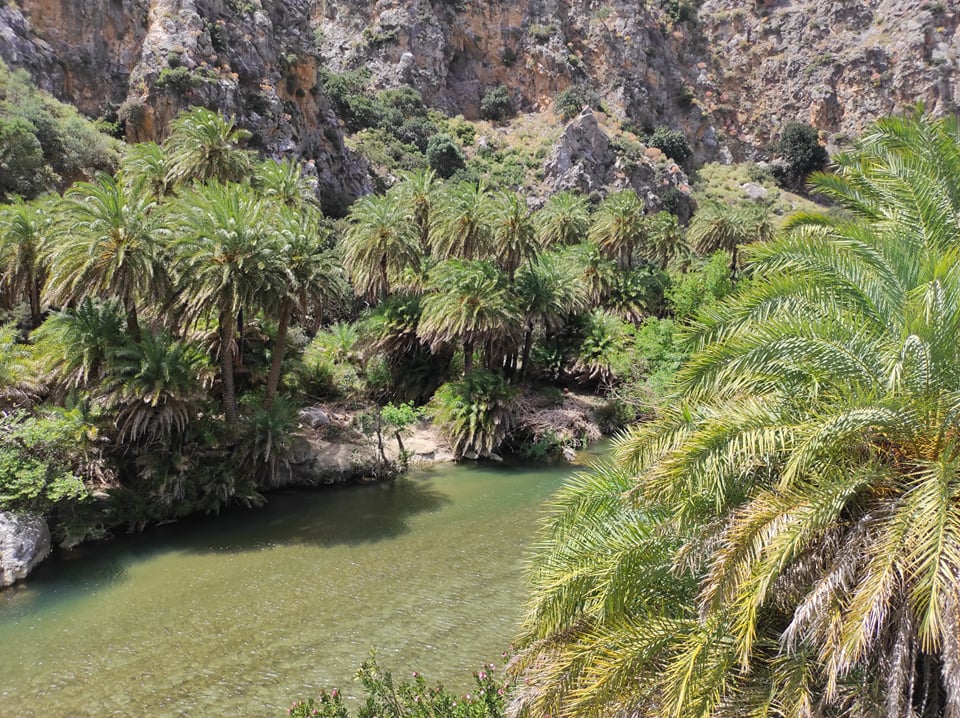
x,y
584,159
145,60
24,542
728,78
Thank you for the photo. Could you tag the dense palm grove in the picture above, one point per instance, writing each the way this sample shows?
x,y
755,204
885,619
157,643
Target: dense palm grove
x,y
165,323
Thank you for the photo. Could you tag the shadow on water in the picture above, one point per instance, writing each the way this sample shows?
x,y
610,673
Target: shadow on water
x,y
344,515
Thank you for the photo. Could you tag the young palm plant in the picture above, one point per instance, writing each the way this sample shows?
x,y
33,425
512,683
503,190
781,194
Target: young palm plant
x,y
806,475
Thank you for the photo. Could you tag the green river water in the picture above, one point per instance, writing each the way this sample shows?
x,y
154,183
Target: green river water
x,y
239,614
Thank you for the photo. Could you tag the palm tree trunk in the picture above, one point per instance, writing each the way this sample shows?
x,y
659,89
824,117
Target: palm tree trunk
x,y
239,356
383,276
34,298
273,378
230,412
467,356
133,323
733,263
527,345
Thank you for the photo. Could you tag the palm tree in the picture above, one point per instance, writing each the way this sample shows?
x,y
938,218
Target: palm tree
x,y
381,242
73,345
204,146
513,235
785,538
144,165
285,183
548,291
23,231
666,240
461,223
419,192
313,278
717,226
227,259
563,219
106,243
619,225
156,387
470,302
18,385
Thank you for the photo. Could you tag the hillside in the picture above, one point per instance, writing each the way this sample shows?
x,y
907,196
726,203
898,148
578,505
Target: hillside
x,y
727,74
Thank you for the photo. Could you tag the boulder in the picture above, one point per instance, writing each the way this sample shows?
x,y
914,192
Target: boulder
x,y
24,542
314,417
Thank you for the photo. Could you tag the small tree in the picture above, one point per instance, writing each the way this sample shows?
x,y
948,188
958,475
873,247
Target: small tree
x,y
800,148
496,104
672,143
396,418
444,155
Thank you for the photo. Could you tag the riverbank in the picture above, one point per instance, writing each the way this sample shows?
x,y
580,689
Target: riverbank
x,y
335,445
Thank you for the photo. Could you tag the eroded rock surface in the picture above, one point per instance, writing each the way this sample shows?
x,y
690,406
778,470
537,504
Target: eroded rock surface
x,y
24,542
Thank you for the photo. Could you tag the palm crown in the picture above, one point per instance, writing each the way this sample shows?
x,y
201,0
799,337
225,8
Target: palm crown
x,y
785,538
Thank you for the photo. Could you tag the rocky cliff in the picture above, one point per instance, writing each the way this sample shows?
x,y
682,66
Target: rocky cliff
x,y
726,72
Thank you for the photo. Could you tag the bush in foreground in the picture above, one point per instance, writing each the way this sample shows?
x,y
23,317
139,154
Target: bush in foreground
x,y
386,699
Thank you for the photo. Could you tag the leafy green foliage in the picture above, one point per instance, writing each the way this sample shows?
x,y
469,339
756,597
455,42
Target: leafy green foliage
x,y
444,155
497,105
569,102
476,412
44,142
38,459
385,698
673,143
699,288
800,147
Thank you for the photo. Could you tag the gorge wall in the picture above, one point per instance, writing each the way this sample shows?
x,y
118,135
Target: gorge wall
x,y
728,73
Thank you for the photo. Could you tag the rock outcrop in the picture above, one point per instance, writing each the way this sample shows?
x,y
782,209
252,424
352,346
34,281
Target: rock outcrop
x,y
24,542
585,159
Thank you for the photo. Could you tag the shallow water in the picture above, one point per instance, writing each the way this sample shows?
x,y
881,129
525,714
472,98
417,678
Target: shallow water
x,y
239,614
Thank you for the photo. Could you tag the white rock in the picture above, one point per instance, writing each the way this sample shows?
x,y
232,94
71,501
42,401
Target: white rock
x,y
24,542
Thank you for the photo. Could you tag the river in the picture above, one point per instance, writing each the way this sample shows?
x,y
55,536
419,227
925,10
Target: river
x,y
239,614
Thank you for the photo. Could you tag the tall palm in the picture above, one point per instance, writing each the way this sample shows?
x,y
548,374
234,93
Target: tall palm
x,y
470,303
228,259
23,231
619,226
563,219
548,291
514,237
312,279
284,183
785,538
144,165
717,226
203,146
666,240
461,223
106,243
379,245
419,191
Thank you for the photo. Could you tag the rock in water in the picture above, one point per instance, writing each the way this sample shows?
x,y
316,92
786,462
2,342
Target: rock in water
x,y
24,542
569,454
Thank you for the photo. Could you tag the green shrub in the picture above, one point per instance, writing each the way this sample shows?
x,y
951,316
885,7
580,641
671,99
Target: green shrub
x,y
672,143
542,33
700,287
476,412
800,147
444,155
497,104
179,79
569,102
385,698
39,459
21,158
